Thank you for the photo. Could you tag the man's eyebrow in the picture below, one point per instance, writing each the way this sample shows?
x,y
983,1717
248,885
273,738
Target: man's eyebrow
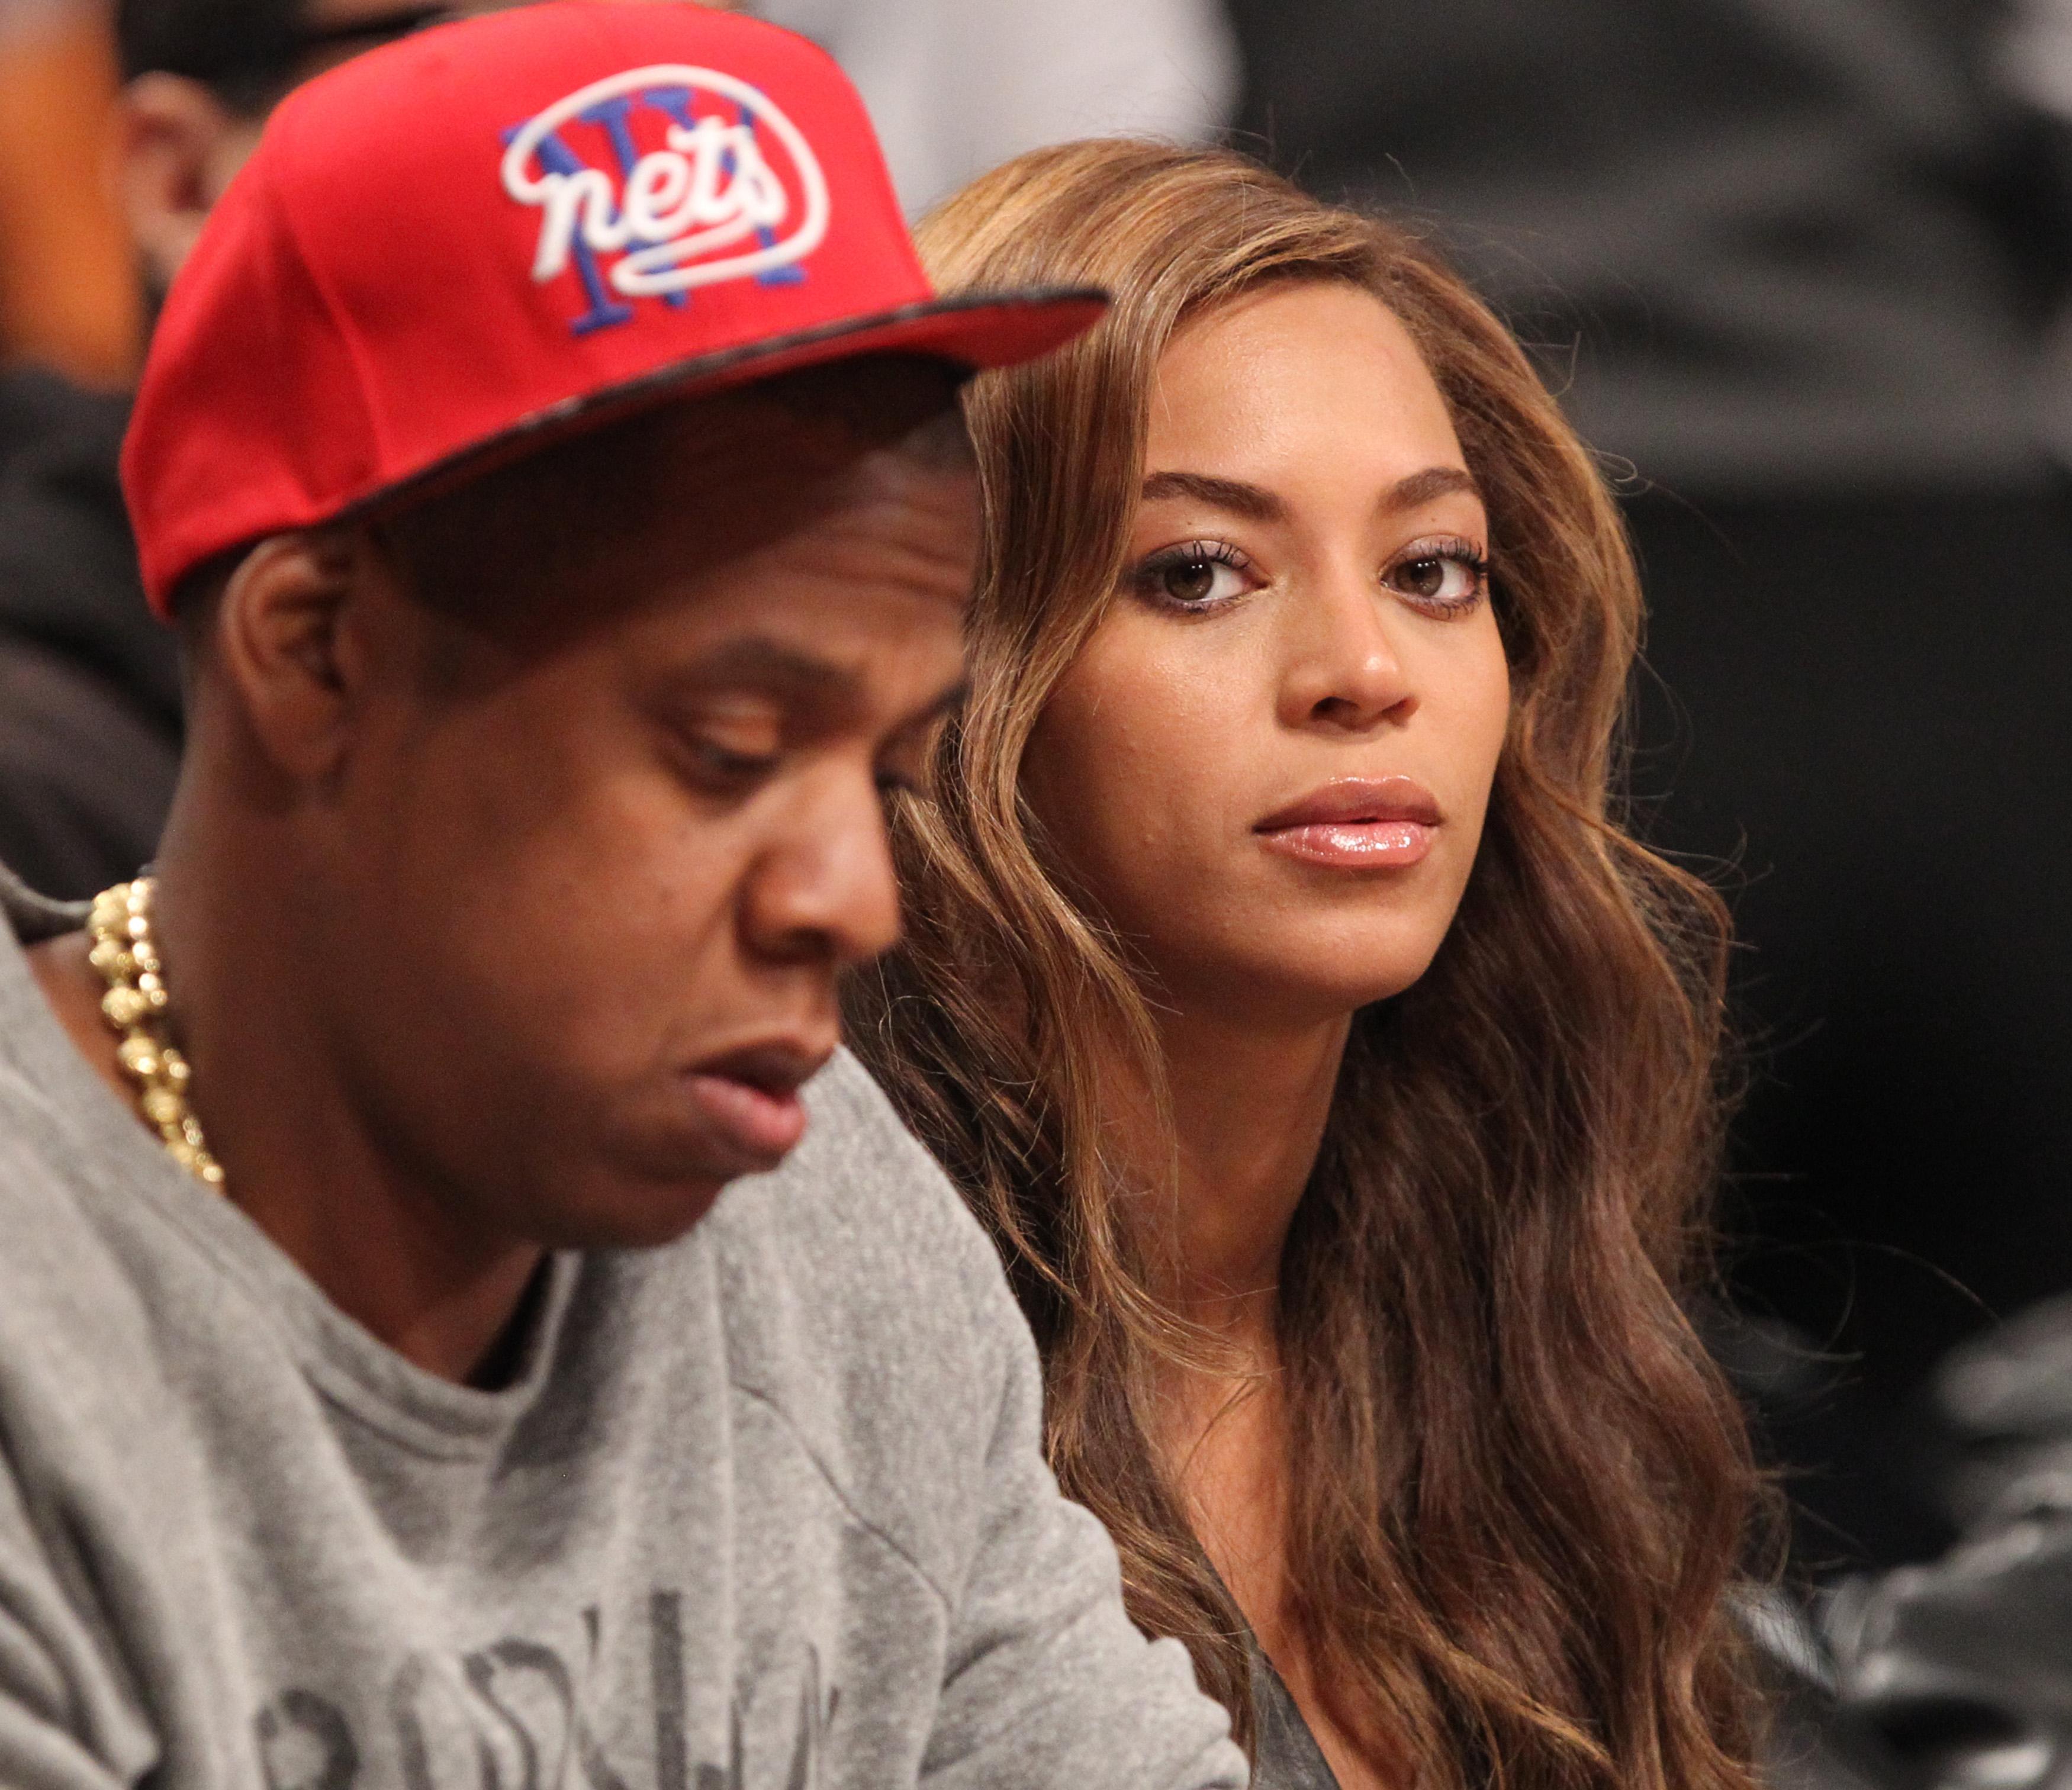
x,y
1231,494
772,668
758,662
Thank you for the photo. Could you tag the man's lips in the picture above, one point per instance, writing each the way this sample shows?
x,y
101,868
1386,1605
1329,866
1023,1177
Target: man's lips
x,y
1356,823
749,1098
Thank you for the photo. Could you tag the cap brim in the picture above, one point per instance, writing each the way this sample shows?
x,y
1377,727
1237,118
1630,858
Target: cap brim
x,y
974,330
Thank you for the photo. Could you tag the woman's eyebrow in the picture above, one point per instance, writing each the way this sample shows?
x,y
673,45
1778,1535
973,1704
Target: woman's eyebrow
x,y
1433,481
1233,495
1257,504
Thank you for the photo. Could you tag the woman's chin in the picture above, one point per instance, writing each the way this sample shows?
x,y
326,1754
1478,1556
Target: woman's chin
x,y
1310,987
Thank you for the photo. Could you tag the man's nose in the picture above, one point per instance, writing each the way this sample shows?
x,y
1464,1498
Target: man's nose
x,y
824,891
1343,671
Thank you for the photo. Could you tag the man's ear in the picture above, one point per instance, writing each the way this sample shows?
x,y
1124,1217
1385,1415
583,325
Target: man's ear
x,y
176,147
290,640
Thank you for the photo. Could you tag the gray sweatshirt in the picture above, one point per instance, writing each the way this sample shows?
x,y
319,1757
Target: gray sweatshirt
x,y
762,1507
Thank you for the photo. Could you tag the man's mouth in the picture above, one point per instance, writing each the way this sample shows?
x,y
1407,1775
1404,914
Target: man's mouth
x,y
749,1098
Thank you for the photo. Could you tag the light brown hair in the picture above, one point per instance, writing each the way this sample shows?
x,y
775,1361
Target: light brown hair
x,y
1520,1488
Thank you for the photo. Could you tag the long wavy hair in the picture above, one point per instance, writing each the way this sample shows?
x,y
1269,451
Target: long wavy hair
x,y
1520,1490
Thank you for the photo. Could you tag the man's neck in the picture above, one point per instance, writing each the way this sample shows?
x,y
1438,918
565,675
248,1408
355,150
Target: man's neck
x,y
296,1157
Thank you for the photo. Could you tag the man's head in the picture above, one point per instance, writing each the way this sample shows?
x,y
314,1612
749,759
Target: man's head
x,y
572,779
550,455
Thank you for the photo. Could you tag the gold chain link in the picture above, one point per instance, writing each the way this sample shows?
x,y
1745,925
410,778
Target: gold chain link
x,y
126,955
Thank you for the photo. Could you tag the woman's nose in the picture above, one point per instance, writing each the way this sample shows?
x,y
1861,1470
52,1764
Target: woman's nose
x,y
1343,670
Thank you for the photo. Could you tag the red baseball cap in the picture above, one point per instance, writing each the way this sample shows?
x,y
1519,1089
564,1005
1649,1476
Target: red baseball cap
x,y
504,230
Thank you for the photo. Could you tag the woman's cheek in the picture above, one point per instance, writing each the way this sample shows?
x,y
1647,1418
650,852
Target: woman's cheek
x,y
1114,772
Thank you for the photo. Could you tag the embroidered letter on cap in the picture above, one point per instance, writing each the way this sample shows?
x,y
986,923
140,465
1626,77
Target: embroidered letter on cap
x,y
692,198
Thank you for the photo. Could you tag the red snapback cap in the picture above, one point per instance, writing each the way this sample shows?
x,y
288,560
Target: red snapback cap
x,y
504,230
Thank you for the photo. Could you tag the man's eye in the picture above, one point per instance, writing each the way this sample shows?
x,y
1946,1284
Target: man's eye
x,y
906,774
722,763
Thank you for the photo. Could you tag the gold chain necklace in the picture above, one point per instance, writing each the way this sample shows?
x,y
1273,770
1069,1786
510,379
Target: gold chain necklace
x,y
126,955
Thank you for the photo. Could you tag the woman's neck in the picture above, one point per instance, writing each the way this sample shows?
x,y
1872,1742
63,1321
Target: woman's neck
x,y
1249,1106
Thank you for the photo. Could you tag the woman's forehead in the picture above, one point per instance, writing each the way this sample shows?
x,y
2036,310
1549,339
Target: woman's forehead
x,y
1294,385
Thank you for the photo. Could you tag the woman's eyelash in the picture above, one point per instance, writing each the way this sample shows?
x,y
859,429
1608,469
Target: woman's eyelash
x,y
1195,552
1220,550
1185,577
1460,555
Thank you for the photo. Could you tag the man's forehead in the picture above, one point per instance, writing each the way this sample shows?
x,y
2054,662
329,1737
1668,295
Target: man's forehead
x,y
820,420
758,458
764,661
867,681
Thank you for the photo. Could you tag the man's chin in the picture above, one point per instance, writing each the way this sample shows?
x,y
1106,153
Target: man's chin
x,y
640,1215
662,1192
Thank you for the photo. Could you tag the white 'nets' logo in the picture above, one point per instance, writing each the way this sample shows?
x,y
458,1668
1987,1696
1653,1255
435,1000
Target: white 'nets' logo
x,y
647,195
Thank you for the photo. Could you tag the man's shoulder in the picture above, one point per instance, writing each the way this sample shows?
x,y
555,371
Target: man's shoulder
x,y
41,1193
865,1309
861,1213
83,1382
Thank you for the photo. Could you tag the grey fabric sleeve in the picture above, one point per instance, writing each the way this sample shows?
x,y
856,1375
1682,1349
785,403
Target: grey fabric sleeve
x,y
1047,1682
57,1696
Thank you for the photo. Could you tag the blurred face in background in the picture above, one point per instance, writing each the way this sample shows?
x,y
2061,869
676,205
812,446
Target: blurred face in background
x,y
179,139
1269,765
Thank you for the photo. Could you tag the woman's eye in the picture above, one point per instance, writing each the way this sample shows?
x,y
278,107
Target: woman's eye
x,y
1453,580
1193,577
1198,581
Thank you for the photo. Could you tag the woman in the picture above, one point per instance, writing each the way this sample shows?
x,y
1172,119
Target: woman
x,y
1336,1077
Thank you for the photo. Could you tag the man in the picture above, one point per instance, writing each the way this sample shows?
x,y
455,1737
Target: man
x,y
89,693
549,458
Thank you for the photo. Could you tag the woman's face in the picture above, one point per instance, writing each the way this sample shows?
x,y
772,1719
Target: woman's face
x,y
1270,764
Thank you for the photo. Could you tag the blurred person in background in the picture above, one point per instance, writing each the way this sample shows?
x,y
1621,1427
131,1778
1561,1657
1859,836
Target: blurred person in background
x,y
90,723
88,710
1956,1671
1792,259
955,87
66,295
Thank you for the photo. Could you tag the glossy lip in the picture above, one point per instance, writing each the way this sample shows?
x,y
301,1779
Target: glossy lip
x,y
1356,823
749,1098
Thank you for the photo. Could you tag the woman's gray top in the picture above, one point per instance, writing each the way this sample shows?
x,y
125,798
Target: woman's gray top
x,y
1289,1758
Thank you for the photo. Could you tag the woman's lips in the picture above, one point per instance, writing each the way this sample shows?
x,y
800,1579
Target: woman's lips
x,y
1360,844
1356,824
